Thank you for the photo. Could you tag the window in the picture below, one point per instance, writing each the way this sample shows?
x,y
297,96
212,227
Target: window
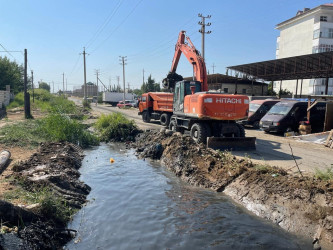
x,y
243,91
323,18
144,98
322,48
316,34
225,90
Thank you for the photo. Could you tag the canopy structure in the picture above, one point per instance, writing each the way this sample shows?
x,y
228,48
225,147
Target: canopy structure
x,y
309,66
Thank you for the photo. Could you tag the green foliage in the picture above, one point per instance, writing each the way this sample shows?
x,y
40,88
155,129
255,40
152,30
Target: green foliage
x,y
45,101
284,92
116,127
324,175
11,74
44,85
17,102
270,90
150,86
58,127
138,92
22,134
55,127
86,104
50,205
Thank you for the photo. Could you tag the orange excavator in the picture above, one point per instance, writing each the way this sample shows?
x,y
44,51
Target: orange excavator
x,y
209,116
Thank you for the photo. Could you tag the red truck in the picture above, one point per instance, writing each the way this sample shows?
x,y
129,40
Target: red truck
x,y
157,106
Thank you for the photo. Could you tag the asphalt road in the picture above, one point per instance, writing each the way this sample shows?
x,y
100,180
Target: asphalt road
x,y
270,148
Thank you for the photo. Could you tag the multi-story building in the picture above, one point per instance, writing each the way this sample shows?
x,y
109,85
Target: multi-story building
x,y
310,31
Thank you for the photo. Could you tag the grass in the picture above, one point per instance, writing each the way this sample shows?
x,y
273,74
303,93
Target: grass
x,y
324,175
54,127
59,127
22,134
50,205
45,101
116,127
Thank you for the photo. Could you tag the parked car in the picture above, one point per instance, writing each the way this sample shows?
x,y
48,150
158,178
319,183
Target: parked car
x,y
258,108
286,115
127,104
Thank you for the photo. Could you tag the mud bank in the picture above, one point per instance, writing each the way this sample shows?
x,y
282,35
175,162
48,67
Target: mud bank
x,y
51,177
301,205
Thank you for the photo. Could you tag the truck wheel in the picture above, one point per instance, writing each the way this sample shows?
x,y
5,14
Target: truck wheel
x,y
241,130
199,133
165,119
173,126
145,116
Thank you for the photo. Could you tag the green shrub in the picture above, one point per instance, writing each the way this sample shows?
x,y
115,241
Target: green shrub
x,y
58,127
86,104
324,175
52,206
17,102
116,127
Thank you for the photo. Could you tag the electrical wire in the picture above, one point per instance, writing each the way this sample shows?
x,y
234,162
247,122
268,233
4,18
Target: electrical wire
x,y
123,21
76,63
106,22
7,51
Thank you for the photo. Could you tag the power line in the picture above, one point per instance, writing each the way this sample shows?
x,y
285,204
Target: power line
x,y
106,22
7,51
117,26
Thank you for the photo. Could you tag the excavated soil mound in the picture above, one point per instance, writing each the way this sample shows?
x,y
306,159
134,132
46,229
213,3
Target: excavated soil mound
x,y
53,167
302,205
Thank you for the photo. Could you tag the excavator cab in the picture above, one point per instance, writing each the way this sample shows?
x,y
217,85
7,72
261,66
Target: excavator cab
x,y
182,89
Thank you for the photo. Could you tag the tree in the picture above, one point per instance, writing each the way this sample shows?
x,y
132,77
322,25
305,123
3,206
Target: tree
x,y
11,74
44,85
150,86
138,92
270,89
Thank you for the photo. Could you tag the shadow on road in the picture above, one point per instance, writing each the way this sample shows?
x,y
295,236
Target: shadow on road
x,y
266,150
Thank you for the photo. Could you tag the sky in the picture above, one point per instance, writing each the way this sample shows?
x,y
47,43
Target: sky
x,y
145,31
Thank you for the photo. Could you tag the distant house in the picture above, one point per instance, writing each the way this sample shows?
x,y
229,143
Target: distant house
x,y
230,84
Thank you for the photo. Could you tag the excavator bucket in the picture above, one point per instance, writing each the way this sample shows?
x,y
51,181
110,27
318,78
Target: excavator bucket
x,y
232,143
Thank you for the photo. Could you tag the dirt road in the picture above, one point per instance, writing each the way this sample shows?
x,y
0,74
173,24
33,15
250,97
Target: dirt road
x,y
271,149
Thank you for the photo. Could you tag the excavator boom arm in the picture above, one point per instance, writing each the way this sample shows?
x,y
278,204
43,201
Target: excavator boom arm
x,y
193,56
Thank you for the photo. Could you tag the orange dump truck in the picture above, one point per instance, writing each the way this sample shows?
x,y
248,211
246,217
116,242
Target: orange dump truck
x,y
157,106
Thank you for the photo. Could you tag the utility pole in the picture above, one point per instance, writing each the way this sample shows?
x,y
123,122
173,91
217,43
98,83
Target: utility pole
x,y
203,32
26,94
84,73
32,83
66,85
110,83
63,83
128,87
97,72
118,86
213,66
53,86
122,62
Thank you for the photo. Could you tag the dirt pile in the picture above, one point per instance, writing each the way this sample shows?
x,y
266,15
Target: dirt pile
x,y
52,175
301,205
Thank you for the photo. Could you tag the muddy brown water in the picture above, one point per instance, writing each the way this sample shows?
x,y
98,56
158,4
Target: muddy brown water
x,y
137,204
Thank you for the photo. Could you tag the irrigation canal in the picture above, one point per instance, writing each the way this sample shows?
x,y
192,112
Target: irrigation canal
x,y
136,204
